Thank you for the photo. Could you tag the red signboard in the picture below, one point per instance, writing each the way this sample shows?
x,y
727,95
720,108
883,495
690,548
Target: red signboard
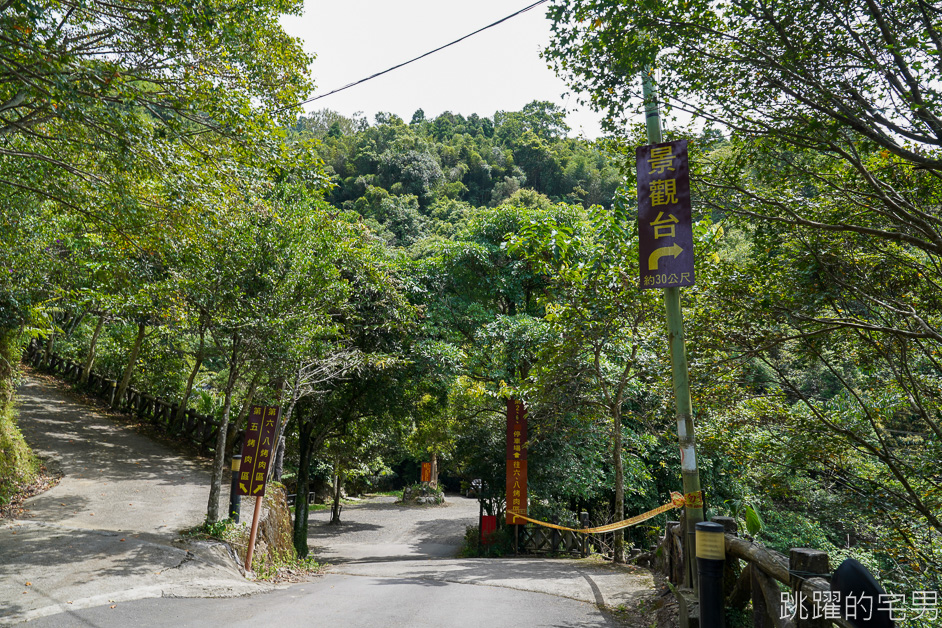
x,y
665,229
516,431
516,491
516,461
258,450
488,529
426,471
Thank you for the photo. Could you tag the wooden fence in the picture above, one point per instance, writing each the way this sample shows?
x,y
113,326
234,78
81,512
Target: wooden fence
x,y
534,539
764,576
197,428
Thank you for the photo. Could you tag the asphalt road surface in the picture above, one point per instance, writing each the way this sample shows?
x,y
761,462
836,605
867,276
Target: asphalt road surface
x,y
390,565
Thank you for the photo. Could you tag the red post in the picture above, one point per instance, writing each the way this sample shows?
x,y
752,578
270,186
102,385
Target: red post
x,y
253,534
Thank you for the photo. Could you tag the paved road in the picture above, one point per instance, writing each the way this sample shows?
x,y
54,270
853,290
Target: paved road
x,y
380,531
389,565
393,566
336,601
109,530
381,539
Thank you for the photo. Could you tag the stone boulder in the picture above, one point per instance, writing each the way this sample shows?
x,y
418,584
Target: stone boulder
x,y
273,543
422,494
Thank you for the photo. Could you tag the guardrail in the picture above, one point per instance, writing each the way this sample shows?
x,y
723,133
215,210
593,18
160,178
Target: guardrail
x,y
538,540
753,572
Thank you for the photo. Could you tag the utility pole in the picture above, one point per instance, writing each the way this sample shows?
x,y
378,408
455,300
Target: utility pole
x,y
693,511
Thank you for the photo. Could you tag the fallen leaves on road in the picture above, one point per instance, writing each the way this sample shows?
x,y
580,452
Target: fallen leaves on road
x,y
43,482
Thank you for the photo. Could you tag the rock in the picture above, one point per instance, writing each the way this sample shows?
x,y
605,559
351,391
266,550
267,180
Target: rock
x,y
273,543
422,494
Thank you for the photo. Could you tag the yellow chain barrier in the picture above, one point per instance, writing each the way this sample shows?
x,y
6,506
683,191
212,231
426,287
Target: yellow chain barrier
x,y
677,501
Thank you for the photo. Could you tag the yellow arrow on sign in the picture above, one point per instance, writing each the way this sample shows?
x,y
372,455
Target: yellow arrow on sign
x,y
258,488
242,486
657,254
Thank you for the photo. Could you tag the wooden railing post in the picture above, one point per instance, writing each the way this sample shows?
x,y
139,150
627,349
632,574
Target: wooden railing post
x,y
804,564
584,522
190,422
760,612
554,544
732,568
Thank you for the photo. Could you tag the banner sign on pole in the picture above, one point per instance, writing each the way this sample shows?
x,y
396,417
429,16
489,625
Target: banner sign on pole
x,y
665,229
426,471
257,450
516,461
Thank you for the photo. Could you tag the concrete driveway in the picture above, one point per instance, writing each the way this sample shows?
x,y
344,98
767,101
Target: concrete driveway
x,y
108,531
381,539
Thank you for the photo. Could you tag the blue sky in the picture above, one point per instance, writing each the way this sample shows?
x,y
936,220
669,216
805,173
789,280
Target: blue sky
x,y
499,69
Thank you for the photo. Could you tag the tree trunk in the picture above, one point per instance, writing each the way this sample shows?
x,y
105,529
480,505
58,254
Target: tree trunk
x,y
433,476
219,456
305,428
132,362
90,359
235,426
280,450
8,366
279,467
619,486
193,373
74,322
338,489
50,345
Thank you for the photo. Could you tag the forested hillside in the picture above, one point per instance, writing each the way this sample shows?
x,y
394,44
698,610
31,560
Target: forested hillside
x,y
391,283
419,179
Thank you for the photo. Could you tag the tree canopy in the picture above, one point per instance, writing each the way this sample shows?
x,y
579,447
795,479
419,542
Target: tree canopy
x,y
170,221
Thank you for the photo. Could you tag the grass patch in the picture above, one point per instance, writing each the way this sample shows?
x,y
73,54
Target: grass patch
x,y
19,468
279,568
396,494
501,543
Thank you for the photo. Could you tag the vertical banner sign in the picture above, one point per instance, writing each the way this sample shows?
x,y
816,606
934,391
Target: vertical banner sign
x,y
516,461
664,223
426,471
257,450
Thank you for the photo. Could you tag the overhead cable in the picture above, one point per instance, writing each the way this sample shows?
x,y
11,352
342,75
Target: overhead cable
x,y
422,56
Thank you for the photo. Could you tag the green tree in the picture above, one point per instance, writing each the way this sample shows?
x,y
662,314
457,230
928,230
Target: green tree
x,y
94,69
834,161
604,347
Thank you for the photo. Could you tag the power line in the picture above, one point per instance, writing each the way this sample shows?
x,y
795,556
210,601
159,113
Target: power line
x,y
422,56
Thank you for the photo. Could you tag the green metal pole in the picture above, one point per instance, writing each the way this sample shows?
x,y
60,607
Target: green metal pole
x,y
675,337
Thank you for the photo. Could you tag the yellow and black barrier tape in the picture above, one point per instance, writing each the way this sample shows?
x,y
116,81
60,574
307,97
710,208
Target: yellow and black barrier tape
x,y
677,501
